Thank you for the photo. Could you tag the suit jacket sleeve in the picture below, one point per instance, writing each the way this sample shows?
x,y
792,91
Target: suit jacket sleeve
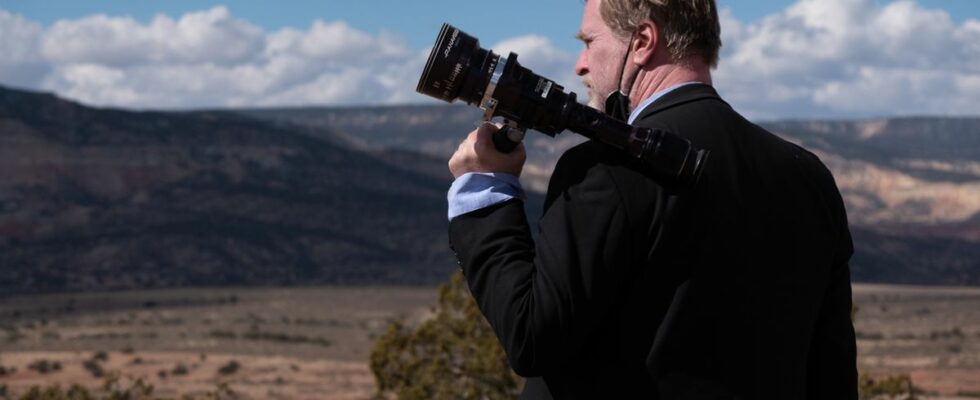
x,y
544,298
833,349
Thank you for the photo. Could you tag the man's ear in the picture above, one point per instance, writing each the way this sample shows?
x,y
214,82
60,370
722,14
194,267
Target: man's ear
x,y
645,42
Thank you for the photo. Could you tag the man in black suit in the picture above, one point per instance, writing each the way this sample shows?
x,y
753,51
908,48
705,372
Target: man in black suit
x,y
737,289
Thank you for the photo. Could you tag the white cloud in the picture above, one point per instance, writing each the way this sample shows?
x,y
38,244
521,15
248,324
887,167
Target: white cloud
x,y
211,59
850,58
212,36
96,83
21,63
814,58
336,41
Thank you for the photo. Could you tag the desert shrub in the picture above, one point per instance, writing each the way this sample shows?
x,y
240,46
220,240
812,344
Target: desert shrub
x,y
954,333
100,356
111,389
869,335
230,368
44,366
179,369
453,355
13,334
890,387
138,389
220,334
94,367
54,392
280,337
114,388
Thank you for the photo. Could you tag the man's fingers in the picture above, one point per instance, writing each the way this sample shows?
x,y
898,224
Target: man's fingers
x,y
477,154
488,128
485,134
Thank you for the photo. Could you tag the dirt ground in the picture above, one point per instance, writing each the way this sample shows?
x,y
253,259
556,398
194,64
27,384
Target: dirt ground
x,y
313,343
177,373
290,343
930,333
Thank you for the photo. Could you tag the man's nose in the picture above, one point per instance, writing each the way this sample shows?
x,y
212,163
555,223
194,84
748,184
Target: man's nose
x,y
581,66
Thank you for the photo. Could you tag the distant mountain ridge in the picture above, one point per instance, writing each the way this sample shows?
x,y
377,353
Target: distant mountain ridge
x,y
103,198
96,198
911,184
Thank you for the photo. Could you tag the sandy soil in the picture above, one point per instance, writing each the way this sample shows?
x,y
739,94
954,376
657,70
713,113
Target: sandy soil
x,y
260,377
930,333
313,343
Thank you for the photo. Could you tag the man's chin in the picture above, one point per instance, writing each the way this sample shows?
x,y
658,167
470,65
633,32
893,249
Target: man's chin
x,y
596,104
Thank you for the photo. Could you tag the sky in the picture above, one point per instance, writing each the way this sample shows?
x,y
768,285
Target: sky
x,y
780,59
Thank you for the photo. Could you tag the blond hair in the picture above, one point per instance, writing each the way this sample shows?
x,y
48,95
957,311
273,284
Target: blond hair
x,y
690,27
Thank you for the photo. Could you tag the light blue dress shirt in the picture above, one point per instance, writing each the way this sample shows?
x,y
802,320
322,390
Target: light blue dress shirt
x,y
475,190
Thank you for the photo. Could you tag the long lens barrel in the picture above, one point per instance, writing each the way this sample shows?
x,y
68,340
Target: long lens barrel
x,y
671,159
458,68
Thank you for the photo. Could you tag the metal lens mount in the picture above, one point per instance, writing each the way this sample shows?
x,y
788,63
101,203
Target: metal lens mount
x,y
458,68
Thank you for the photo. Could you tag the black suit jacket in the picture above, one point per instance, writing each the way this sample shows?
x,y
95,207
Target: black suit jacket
x,y
739,289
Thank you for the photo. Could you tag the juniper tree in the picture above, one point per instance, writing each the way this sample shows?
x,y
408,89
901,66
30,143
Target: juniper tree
x,y
452,355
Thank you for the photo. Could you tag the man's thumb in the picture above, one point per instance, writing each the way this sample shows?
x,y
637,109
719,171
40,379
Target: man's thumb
x,y
484,135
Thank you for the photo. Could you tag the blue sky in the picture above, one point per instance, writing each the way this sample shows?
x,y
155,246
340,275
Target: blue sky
x,y
417,20
781,58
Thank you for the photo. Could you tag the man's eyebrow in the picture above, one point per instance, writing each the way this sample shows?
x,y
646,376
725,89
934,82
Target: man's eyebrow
x,y
581,36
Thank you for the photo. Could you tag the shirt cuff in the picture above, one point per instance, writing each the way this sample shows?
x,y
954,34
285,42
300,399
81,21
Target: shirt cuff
x,y
475,190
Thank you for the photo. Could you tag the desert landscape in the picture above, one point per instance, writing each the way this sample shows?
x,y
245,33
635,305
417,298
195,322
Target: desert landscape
x,y
314,342
295,343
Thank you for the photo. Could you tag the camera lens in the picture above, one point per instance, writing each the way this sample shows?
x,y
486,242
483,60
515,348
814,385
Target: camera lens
x,y
457,67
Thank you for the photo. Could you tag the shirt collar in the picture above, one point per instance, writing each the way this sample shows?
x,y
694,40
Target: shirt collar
x,y
649,100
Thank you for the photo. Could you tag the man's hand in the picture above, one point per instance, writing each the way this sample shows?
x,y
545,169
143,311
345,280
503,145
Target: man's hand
x,y
477,154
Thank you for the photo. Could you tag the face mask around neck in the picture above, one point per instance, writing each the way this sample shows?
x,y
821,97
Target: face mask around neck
x,y
618,105
618,102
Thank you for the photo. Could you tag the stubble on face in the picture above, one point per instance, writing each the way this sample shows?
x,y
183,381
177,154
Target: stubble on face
x,y
594,100
601,47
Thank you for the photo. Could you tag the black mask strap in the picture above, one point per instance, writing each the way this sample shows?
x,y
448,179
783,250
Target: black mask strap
x,y
622,69
618,102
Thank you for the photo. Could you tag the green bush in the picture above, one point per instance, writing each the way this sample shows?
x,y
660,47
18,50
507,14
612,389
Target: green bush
x,y
179,369
230,368
114,388
94,367
221,334
54,392
890,387
43,366
285,338
100,356
453,355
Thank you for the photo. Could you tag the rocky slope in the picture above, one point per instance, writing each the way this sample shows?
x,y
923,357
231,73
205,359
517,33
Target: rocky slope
x,y
104,198
912,185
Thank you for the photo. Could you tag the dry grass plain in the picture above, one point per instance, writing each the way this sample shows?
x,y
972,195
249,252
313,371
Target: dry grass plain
x,y
313,343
